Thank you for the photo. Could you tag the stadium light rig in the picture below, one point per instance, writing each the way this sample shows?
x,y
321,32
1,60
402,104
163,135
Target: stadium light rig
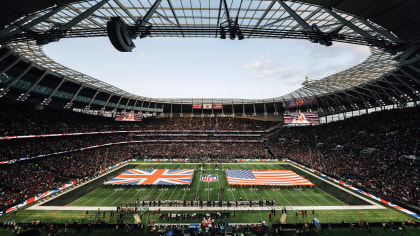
x,y
234,29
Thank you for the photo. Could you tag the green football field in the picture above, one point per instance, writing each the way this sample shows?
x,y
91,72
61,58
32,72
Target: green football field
x,y
208,191
323,195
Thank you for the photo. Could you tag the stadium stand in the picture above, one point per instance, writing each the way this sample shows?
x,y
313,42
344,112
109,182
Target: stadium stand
x,y
365,150
26,179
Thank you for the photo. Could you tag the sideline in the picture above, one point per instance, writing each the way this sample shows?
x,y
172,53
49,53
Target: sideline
x,y
188,208
340,187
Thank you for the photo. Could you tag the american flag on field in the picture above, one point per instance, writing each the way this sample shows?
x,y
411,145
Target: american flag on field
x,y
266,177
209,178
153,177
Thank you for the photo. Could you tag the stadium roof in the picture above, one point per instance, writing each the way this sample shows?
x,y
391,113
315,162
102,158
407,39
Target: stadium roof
x,y
389,27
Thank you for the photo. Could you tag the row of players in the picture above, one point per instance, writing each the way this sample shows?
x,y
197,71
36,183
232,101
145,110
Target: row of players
x,y
178,203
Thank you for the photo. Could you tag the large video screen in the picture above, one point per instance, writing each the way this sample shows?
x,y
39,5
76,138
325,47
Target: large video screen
x,y
301,118
299,102
128,117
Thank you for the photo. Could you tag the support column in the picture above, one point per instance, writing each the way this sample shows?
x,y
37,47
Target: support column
x,y
125,107
87,107
116,106
25,96
48,100
134,106
5,90
265,110
70,103
8,53
107,101
10,65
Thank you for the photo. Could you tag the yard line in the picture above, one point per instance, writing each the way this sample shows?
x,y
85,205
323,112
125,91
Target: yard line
x,y
121,196
198,185
75,201
170,198
110,195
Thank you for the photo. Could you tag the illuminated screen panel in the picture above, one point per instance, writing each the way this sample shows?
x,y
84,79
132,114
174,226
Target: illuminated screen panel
x,y
128,117
301,118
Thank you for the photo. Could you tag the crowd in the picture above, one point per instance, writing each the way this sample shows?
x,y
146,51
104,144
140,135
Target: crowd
x,y
225,151
23,180
35,147
23,119
365,150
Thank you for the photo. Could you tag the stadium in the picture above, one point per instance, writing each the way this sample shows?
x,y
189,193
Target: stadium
x,y
338,155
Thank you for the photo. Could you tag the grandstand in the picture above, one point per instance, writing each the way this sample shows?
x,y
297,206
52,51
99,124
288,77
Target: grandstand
x,y
340,153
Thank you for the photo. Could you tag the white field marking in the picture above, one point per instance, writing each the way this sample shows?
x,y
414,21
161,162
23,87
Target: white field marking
x,y
157,198
134,195
110,195
205,208
302,193
281,195
340,187
170,198
332,196
244,194
84,196
198,185
185,191
208,184
121,196
218,184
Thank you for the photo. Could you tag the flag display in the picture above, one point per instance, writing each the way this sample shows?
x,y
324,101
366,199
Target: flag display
x,y
266,177
209,178
207,106
217,106
197,106
153,177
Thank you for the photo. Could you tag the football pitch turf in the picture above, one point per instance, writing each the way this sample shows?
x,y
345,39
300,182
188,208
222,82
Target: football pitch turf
x,y
323,194
208,191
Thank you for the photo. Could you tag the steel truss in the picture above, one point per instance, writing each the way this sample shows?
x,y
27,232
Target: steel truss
x,y
275,19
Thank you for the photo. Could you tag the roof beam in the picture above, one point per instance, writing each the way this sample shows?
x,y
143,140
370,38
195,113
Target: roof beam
x,y
276,21
125,10
295,16
348,24
19,29
176,17
150,13
84,15
382,32
265,13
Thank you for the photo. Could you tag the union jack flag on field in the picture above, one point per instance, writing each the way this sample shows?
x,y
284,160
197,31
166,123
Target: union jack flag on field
x,y
266,177
153,177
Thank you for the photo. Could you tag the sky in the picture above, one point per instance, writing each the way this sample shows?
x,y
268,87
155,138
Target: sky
x,y
206,68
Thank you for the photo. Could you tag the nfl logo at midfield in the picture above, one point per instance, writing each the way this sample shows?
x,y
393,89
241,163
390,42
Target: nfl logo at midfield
x,y
209,178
